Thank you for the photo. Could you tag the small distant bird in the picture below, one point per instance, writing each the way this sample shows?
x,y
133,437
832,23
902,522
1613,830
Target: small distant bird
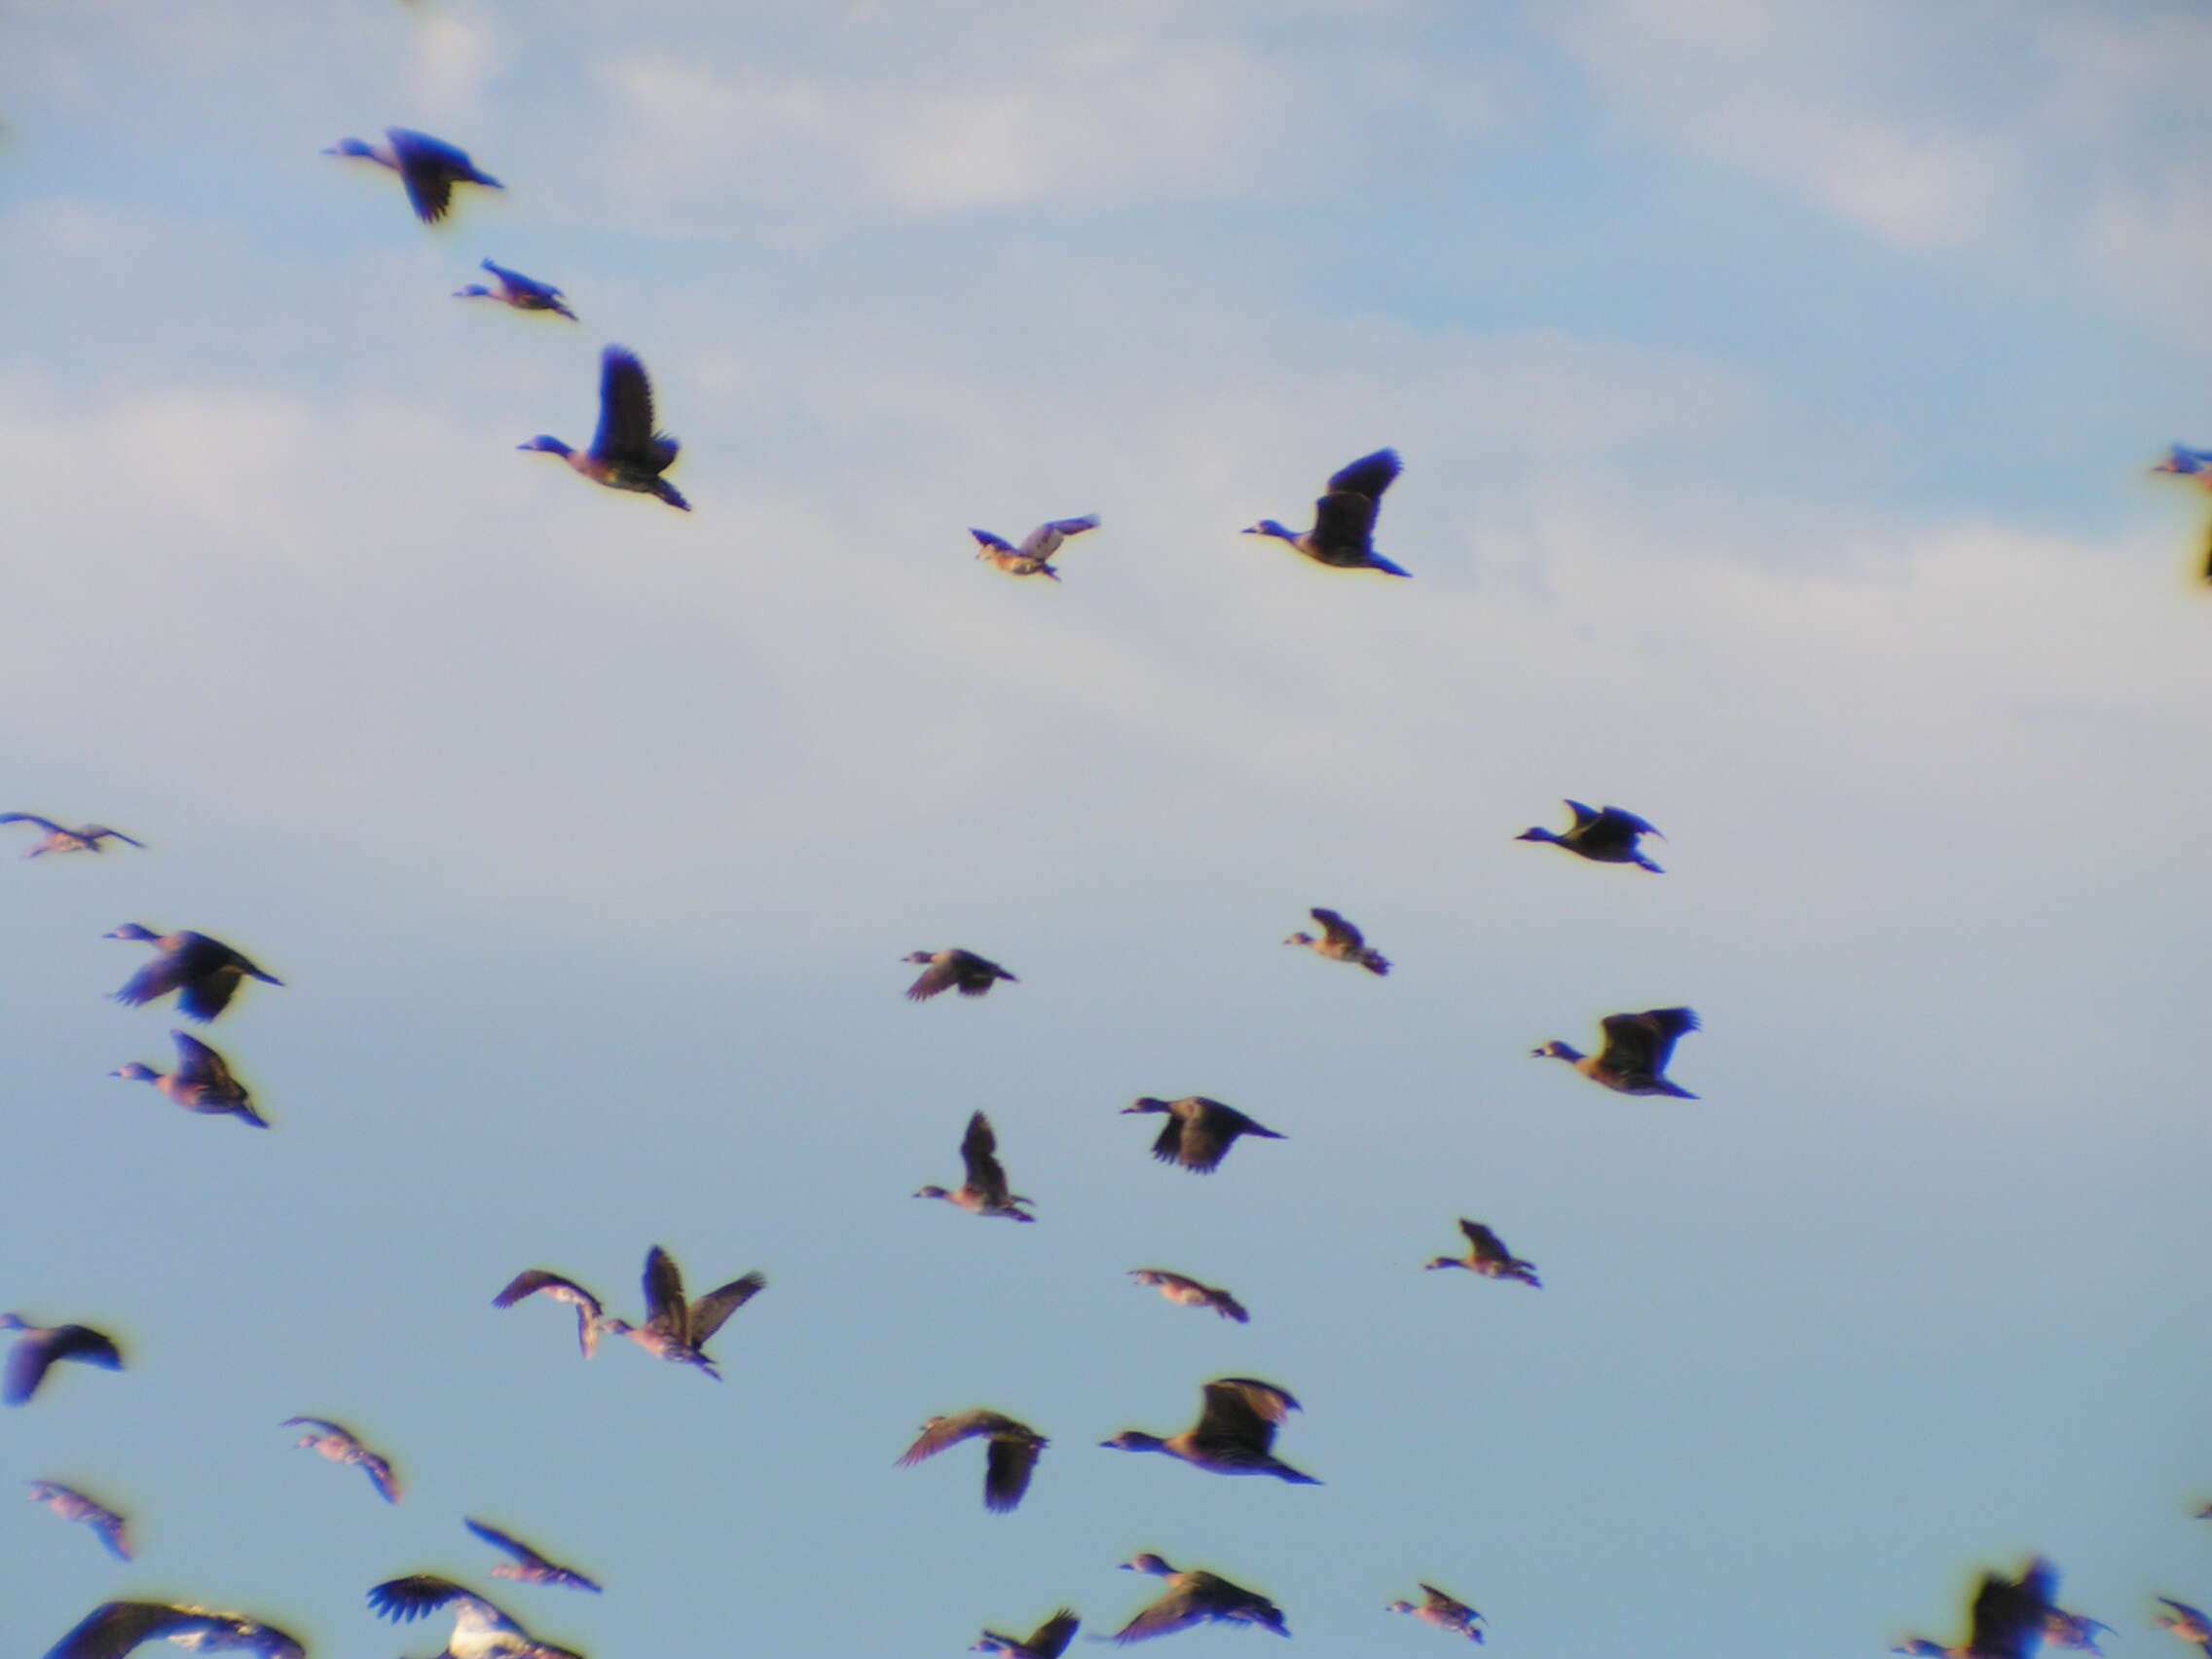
x,y
480,1630
984,1193
114,1629
1195,1597
73,1505
1007,1466
523,293
1190,1293
344,1448
2073,1631
1444,1612
528,1565
1488,1256
532,1281
60,840
2006,1620
677,1330
1344,519
1602,836
201,1082
430,168
1049,1641
1340,941
38,1346
1034,557
2185,1621
1199,1132
954,970
626,453
2188,463
1233,1435
205,972
1633,1059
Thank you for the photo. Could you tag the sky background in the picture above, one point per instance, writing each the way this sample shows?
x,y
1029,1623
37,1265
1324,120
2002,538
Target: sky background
x,y
1776,384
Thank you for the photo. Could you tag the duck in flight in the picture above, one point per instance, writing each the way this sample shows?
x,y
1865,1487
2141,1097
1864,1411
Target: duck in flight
x,y
1199,1132
201,1082
677,1330
528,1567
1190,1293
1633,1059
38,1349
1445,1613
626,453
1234,1434
1341,942
1488,1256
2005,1621
534,1282
1034,557
430,168
73,1505
58,839
204,972
523,293
1008,1465
1343,536
1604,836
984,1191
954,970
1195,1597
340,1445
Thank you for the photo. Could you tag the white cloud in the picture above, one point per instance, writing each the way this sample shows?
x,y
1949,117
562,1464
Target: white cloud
x,y
454,59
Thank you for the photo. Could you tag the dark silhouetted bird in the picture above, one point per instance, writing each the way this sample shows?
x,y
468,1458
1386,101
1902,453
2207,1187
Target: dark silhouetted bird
x,y
1343,536
626,453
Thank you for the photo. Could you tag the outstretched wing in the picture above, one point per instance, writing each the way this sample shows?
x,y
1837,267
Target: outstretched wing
x,y
33,1354
712,1310
626,415
51,829
1487,1245
1345,517
941,1431
1240,1410
1007,1471
1050,1639
665,1307
400,1599
500,1541
2009,1613
197,1063
1045,540
986,1174
113,1629
997,543
1342,935
531,1280
427,167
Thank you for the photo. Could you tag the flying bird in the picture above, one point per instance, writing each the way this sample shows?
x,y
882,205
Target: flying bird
x,y
677,1330
1034,557
626,453
1199,1132
61,840
2007,1618
2075,1631
344,1448
528,1567
73,1505
1195,1597
1190,1293
1341,942
2188,463
523,293
430,168
37,1347
1049,1641
205,972
1633,1059
201,1082
1605,836
954,970
1488,1256
533,1282
1344,519
1233,1435
2187,1623
480,1630
1007,1466
114,1629
1444,1611
984,1191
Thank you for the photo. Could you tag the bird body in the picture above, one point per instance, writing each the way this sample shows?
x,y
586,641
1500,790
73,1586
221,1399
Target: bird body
x,y
677,1330
58,839
114,1629
1199,1131
340,1445
1344,519
38,1348
480,1630
430,168
1235,1434
1049,1641
1195,1597
201,1082
528,1567
523,293
1190,1293
1638,1047
204,972
73,1505
1488,1256
1341,942
1444,1611
2190,1624
984,1191
1008,1465
1603,835
626,453
1034,557
954,970
533,1282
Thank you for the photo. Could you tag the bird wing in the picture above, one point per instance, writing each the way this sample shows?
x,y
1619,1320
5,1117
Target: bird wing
x,y
976,973
323,1424
400,1599
113,1629
1629,822
665,1307
1050,1639
1342,935
1444,1604
939,975
206,990
111,1528
986,1174
51,829
94,831
1045,540
531,1280
2009,1613
712,1310
1487,1245
500,1541
157,978
941,1431
33,1353
997,543
1242,1411
379,1471
427,167
1179,1609
197,1063
522,284
626,414
1006,1469
1345,517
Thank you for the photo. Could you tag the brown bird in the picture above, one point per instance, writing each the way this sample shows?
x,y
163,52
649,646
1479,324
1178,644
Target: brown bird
x,y
1340,941
1190,1293
984,1191
528,1567
2185,1621
2006,1619
114,1629
1034,557
628,452
532,1281
1049,1641
1008,1464
1199,1131
38,1346
1233,1436
1638,1047
1488,1256
677,1330
201,1082
58,839
205,972
1444,1612
1195,1597
1602,836
344,1448
947,970
73,1505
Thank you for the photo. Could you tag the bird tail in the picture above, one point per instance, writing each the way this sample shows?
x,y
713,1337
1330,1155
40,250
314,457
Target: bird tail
x,y
1376,561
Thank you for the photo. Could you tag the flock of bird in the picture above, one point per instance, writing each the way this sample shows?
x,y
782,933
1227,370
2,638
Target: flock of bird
x,y
1238,1419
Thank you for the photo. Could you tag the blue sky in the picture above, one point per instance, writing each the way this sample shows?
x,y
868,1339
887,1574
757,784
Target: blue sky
x,y
1775,384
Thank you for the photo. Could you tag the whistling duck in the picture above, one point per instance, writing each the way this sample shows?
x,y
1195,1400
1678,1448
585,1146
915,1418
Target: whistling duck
x,y
1190,1293
480,1630
2006,1620
2185,1621
523,293
949,970
678,1331
532,1281
984,1191
2189,463
1049,1641
1633,1059
1199,1132
1233,1435
73,1505
1195,1597
204,972
38,1346
528,1565
1603,835
60,840
1007,1467
1344,519
1488,1256
114,1629
201,1082
626,453
344,1448
1034,557
430,168
1444,1612
1340,941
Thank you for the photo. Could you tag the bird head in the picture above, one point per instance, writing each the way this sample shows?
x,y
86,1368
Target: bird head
x,y
547,442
